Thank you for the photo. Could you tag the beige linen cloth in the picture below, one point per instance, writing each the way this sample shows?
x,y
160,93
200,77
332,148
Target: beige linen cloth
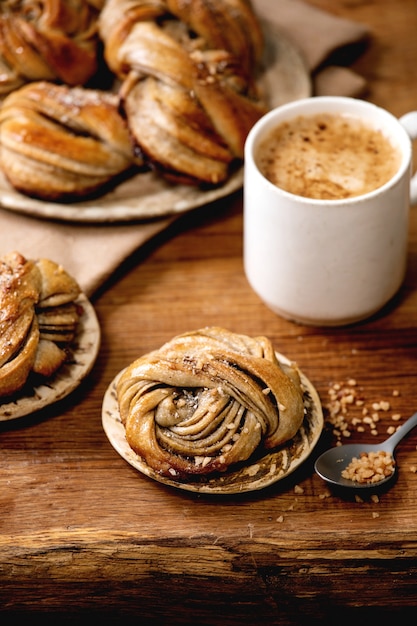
x,y
92,252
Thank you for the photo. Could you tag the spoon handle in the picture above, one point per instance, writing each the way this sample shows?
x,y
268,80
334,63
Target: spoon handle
x,y
402,431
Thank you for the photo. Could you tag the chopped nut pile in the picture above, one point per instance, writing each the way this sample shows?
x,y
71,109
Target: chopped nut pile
x,y
370,467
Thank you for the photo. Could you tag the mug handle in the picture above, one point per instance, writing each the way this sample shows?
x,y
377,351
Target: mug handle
x,y
409,122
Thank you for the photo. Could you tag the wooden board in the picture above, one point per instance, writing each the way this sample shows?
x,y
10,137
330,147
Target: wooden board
x,y
84,535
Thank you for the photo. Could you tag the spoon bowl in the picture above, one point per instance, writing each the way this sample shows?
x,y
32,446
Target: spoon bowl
x,y
330,465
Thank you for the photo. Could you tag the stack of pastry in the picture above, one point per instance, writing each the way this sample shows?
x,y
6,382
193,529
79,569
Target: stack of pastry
x,y
208,400
185,91
39,319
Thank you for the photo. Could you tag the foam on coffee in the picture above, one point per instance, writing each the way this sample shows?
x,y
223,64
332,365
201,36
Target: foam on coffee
x,y
327,157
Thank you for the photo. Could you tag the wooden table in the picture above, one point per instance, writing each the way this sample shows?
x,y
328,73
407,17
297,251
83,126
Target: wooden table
x,y
83,533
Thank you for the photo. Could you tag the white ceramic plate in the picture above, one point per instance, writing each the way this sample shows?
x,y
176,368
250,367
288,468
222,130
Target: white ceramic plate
x,y
263,472
284,79
84,351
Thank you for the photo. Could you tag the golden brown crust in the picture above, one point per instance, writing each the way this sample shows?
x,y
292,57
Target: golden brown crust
x,y
229,25
57,286
206,400
49,358
188,72
61,143
19,288
47,40
15,372
33,336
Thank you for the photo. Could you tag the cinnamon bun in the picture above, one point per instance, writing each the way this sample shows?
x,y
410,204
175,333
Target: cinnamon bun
x,y
54,40
208,400
63,143
188,74
38,319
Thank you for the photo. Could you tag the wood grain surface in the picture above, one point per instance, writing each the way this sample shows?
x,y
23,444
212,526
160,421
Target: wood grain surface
x,y
84,536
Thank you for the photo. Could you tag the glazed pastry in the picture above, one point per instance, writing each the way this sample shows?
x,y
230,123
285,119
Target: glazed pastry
x,y
39,318
19,331
53,40
188,70
62,143
207,400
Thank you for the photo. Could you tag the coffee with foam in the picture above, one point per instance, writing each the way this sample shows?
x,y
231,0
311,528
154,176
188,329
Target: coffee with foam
x,y
327,156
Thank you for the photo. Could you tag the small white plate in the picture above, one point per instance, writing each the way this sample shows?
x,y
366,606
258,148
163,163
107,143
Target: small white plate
x,y
84,351
257,474
285,78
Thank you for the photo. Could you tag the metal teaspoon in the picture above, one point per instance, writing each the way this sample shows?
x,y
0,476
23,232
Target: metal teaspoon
x,y
330,465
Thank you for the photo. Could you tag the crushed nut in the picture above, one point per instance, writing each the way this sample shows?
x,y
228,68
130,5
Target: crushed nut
x,y
349,411
370,467
324,495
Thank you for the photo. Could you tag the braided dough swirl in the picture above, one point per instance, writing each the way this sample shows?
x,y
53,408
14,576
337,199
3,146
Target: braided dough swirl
x,y
206,400
62,143
188,71
47,40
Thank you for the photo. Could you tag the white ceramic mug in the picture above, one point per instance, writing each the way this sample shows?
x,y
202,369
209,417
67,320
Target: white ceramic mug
x,y
328,262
